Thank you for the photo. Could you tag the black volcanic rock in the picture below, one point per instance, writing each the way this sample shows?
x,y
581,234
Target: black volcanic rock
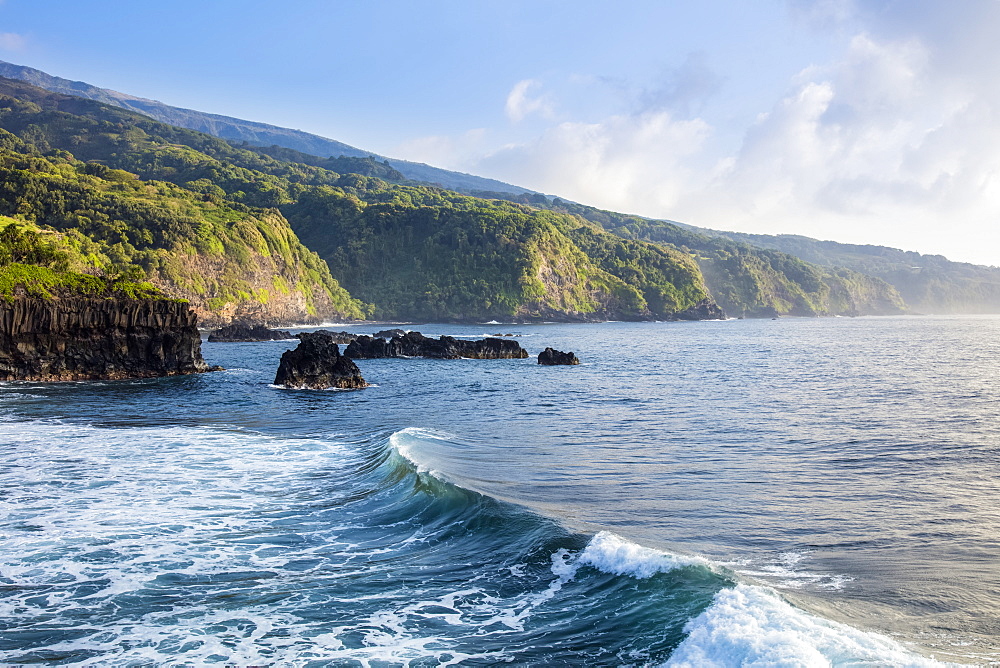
x,y
242,331
552,357
342,338
83,338
389,333
415,344
316,364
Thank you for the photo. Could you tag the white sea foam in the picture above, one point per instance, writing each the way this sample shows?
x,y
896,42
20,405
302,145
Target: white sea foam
x,y
751,626
613,554
787,571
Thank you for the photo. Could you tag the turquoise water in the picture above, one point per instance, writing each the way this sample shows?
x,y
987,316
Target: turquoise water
x,y
792,492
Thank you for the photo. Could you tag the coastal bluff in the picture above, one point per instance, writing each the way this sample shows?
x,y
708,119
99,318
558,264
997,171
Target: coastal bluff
x,y
92,338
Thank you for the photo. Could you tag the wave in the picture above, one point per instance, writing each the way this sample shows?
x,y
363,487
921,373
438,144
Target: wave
x,y
198,545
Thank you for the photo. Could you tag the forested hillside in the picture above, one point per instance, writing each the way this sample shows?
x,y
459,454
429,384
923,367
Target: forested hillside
x,y
412,251
229,260
251,132
745,279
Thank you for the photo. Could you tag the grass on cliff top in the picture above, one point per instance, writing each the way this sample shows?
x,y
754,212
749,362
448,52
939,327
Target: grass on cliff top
x,y
35,262
28,280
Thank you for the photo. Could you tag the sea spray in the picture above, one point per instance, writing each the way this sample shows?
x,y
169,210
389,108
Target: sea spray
x,y
750,626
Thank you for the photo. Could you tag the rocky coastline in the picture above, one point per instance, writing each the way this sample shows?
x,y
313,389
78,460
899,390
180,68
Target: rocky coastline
x,y
415,344
91,338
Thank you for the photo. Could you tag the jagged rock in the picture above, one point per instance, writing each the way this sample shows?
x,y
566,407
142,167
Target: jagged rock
x,y
706,309
243,331
552,357
342,338
415,344
81,338
389,333
316,364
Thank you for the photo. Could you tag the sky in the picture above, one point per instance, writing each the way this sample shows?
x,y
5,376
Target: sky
x,y
860,121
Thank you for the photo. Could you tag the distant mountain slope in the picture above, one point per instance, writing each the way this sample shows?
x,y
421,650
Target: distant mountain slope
x,y
746,279
928,283
259,134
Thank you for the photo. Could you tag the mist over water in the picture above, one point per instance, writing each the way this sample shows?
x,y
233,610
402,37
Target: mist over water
x,y
693,493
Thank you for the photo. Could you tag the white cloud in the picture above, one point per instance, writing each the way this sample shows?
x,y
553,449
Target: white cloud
x,y
10,41
622,162
886,148
520,104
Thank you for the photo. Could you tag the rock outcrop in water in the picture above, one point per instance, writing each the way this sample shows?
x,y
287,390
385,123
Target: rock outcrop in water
x,y
389,333
415,344
87,338
239,332
342,338
553,357
316,364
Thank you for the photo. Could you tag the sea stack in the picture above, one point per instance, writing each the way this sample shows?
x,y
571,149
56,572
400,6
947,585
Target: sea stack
x,y
553,357
89,338
316,364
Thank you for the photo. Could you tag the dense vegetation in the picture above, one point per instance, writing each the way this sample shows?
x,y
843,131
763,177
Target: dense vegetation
x,y
745,279
36,262
414,251
191,239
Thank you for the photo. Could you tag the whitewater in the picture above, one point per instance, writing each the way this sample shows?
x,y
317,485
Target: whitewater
x,y
755,493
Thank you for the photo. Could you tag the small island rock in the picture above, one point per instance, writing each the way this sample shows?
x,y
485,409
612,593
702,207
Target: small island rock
x,y
316,364
552,357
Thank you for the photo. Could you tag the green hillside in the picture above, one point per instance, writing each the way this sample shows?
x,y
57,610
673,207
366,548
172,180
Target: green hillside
x,y
251,132
36,262
745,279
413,251
229,260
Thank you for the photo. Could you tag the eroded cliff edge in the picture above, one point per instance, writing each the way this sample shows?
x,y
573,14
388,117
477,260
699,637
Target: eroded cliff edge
x,y
93,338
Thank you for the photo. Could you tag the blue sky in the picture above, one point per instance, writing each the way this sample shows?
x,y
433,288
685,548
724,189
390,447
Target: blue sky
x,y
865,121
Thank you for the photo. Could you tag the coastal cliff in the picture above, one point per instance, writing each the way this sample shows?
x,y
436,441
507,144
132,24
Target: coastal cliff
x,y
86,338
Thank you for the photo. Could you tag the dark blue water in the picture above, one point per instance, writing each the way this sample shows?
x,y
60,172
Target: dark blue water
x,y
792,492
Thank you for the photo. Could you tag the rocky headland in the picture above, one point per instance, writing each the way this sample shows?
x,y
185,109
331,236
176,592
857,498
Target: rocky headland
x,y
316,364
92,338
415,344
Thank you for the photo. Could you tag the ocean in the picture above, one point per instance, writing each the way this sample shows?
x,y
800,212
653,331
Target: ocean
x,y
793,492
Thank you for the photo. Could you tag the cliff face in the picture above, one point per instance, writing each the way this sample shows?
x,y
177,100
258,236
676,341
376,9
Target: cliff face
x,y
81,338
